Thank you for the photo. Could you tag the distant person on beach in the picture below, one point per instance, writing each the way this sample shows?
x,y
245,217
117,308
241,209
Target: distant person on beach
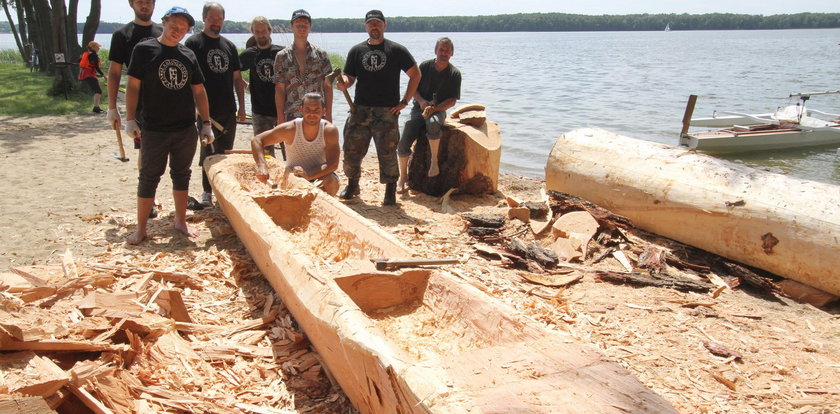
x,y
90,72
439,89
376,63
258,60
122,44
311,145
300,68
172,84
219,61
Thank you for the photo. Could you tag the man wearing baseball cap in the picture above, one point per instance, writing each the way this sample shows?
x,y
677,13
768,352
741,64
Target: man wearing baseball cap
x,y
173,88
376,64
301,68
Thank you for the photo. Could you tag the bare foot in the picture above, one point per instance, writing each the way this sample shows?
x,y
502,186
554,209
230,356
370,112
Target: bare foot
x,y
186,229
433,170
137,237
400,186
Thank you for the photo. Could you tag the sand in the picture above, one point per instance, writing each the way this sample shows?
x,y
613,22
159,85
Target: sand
x,y
61,188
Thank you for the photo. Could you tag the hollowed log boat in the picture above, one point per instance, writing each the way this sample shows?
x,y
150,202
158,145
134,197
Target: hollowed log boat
x,y
409,341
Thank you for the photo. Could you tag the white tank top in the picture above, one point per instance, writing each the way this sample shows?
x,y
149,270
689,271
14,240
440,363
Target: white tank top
x,y
309,155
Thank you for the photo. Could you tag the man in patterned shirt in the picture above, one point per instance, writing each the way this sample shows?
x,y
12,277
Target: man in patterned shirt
x,y
299,69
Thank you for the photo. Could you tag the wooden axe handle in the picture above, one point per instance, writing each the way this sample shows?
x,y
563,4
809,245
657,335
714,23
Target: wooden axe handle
x,y
384,264
120,144
346,94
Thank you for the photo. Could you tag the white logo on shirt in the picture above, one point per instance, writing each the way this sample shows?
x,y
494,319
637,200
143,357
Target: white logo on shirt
x,y
173,74
217,61
374,60
265,70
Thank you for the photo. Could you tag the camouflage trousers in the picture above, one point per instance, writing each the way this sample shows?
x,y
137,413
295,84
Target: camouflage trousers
x,y
366,123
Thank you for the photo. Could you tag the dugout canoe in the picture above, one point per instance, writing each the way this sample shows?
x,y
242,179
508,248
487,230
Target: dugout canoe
x,y
414,341
784,225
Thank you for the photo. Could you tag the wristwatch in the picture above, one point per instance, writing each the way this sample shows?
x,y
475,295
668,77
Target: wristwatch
x,y
404,102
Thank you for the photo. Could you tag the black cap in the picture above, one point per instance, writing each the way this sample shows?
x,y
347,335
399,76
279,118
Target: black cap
x,y
301,13
374,15
182,11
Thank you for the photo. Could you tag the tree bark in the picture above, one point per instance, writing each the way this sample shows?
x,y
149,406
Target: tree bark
x,y
23,30
74,51
63,80
14,30
92,22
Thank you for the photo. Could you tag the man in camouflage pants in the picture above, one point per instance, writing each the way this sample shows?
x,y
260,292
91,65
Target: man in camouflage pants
x,y
376,63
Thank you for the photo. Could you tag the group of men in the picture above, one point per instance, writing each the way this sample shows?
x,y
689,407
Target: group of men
x,y
178,95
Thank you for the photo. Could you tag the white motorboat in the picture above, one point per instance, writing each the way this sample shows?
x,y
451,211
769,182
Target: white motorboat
x,y
791,126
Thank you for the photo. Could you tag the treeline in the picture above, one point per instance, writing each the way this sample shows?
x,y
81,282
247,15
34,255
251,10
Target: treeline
x,y
551,22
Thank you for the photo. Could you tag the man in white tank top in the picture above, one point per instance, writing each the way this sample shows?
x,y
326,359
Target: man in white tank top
x,y
311,142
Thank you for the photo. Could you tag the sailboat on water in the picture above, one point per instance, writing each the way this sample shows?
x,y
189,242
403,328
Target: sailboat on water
x,y
667,27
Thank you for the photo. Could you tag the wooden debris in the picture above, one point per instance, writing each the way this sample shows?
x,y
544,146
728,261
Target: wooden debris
x,y
37,376
552,280
721,350
25,405
520,213
804,293
484,220
564,203
622,258
662,280
533,251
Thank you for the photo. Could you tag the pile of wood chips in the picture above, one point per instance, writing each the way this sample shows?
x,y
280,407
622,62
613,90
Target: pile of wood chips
x,y
165,327
673,315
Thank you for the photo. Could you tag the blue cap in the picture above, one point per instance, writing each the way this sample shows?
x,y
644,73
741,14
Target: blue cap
x,y
182,11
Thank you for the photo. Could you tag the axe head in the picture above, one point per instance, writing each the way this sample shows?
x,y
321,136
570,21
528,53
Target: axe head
x,y
123,159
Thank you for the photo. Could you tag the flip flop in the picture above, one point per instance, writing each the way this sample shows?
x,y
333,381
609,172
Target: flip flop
x,y
194,204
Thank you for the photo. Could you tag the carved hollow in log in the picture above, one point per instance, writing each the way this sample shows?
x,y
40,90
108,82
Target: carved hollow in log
x,y
468,158
413,341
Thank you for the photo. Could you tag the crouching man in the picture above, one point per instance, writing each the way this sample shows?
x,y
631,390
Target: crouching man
x,y
311,145
164,75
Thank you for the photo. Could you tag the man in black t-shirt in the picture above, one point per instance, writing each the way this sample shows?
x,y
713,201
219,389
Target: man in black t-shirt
x,y
172,85
122,44
439,89
258,60
376,63
219,61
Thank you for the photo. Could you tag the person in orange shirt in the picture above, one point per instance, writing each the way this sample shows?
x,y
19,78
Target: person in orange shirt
x,y
90,72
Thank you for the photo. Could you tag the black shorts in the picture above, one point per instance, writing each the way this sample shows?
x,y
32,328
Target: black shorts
x,y
93,84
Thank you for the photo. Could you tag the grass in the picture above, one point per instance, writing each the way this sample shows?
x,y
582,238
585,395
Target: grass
x,y
24,93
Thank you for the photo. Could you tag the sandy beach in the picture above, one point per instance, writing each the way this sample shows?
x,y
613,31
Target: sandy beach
x,y
62,189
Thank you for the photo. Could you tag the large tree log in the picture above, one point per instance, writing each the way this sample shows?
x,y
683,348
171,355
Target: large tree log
x,y
413,341
787,226
469,158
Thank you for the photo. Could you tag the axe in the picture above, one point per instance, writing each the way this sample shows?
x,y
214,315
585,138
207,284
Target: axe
x,y
336,74
387,264
121,156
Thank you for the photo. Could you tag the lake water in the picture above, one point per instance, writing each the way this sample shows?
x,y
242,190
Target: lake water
x,y
540,85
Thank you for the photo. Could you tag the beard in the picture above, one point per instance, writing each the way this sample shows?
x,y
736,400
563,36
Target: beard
x,y
215,30
143,17
263,42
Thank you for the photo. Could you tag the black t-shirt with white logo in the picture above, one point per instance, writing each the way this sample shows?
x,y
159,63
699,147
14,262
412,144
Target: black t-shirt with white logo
x,y
128,36
167,74
377,70
260,66
218,59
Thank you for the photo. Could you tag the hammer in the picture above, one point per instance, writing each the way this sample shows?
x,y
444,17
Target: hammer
x,y
387,264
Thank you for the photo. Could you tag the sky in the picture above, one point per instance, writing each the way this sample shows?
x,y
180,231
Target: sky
x,y
245,10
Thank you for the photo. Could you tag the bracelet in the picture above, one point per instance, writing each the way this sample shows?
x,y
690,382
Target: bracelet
x,y
404,102
205,122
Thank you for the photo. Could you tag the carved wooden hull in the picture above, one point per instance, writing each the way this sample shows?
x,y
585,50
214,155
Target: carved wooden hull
x,y
784,225
414,341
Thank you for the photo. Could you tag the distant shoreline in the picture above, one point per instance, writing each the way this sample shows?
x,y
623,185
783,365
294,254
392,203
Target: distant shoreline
x,y
546,22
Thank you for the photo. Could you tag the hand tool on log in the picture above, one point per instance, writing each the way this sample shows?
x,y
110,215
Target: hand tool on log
x,y
386,264
271,183
121,156
337,74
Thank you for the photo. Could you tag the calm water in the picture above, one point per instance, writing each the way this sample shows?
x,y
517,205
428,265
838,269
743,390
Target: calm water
x,y
540,85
